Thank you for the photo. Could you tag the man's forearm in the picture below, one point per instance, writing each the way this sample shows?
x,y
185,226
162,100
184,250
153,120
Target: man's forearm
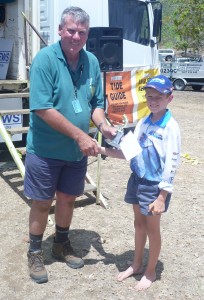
x,y
98,117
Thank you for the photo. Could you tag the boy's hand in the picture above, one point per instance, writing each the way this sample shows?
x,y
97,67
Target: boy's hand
x,y
157,207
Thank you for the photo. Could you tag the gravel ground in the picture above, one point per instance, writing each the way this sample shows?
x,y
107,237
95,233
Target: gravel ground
x,y
105,237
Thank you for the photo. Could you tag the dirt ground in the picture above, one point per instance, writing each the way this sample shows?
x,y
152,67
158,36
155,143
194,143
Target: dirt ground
x,y
105,237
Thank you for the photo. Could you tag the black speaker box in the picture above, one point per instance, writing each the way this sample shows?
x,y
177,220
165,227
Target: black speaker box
x,y
106,43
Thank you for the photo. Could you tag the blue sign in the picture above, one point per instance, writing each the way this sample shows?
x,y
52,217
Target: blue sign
x,y
4,56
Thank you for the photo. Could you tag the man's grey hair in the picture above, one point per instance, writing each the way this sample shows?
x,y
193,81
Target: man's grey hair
x,y
78,15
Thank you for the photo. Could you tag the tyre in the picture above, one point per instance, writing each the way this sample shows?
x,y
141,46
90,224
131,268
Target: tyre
x,y
197,87
168,58
179,84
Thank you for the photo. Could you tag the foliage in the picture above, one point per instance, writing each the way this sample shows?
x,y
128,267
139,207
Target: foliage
x,y
168,33
183,23
189,21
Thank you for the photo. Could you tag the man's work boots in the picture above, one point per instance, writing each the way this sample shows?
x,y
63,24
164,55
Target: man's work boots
x,y
65,252
36,267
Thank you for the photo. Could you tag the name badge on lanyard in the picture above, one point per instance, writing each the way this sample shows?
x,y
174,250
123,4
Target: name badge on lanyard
x,y
76,104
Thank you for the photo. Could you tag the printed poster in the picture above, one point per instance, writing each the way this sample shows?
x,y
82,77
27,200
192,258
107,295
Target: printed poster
x,y
125,94
119,97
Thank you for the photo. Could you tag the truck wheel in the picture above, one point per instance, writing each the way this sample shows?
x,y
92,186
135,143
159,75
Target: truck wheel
x,y
197,87
168,58
179,84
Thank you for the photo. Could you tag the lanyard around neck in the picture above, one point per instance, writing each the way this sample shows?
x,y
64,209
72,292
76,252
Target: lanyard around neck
x,y
75,81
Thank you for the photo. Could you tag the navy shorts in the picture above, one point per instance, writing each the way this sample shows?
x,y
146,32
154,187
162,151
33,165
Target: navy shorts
x,y
143,192
45,176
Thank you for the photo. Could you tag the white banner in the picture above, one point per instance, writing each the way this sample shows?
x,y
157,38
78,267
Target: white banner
x,y
11,121
183,70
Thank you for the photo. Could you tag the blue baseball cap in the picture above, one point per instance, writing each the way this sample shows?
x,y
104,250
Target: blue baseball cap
x,y
160,83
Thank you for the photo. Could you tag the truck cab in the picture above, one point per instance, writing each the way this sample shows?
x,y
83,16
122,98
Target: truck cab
x,y
140,20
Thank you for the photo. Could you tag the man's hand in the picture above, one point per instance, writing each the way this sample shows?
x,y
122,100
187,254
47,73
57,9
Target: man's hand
x,y
107,131
87,145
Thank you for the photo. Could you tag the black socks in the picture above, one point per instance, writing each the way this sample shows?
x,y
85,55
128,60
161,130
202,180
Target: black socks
x,y
61,235
35,242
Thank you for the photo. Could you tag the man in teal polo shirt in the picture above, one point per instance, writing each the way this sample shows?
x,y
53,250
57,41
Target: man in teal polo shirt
x,y
65,93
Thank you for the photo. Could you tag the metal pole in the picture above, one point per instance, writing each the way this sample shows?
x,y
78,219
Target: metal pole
x,y
36,31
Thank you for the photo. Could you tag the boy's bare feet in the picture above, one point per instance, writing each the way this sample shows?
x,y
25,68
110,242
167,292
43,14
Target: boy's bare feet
x,y
145,282
129,272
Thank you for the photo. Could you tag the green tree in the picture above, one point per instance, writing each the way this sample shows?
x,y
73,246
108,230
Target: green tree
x,y
188,23
169,37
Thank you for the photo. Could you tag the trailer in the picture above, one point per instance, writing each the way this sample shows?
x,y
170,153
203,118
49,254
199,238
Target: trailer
x,y
183,74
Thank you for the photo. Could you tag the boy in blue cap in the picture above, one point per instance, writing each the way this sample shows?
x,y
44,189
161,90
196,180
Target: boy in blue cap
x,y
150,185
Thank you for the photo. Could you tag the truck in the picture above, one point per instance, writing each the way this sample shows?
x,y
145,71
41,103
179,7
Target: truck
x,y
140,21
184,73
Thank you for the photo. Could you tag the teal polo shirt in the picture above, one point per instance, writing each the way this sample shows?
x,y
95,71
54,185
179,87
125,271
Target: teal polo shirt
x,y
52,85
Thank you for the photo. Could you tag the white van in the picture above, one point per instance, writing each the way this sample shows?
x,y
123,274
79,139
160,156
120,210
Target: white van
x,y
166,54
